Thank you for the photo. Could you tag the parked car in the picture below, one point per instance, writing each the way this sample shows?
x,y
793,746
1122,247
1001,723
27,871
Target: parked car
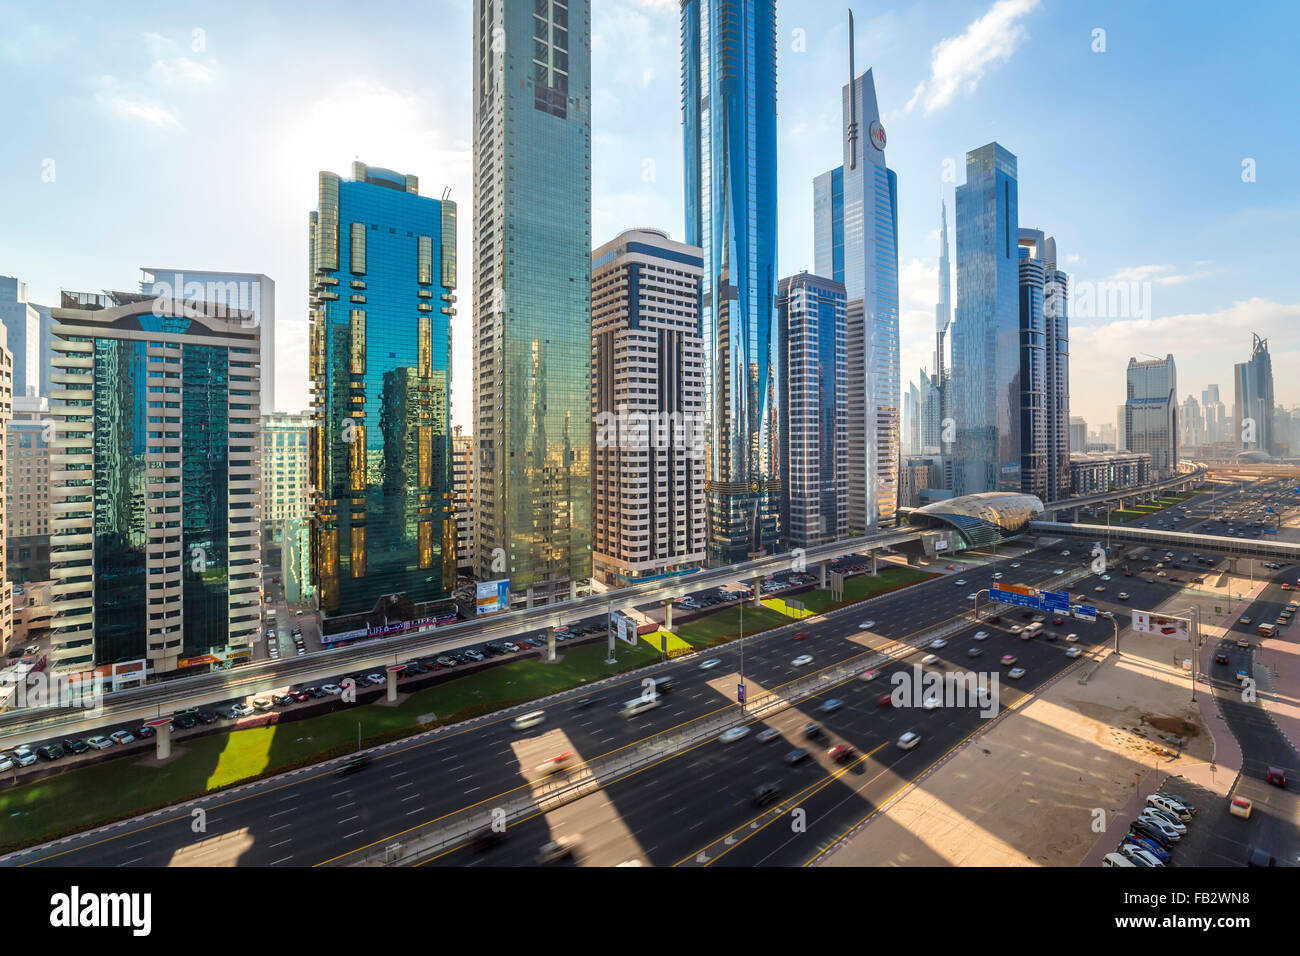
x,y
75,747
98,743
50,752
122,737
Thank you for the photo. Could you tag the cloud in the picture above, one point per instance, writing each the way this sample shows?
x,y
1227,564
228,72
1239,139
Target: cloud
x,y
181,71
1155,274
131,107
957,64
1204,345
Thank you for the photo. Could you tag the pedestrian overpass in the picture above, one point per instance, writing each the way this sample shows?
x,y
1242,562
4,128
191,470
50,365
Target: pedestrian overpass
x,y
1283,552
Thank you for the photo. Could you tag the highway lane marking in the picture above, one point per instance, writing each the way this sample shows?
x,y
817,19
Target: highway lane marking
x,y
416,810
350,819
346,805
129,862
283,826
353,833
281,843
283,859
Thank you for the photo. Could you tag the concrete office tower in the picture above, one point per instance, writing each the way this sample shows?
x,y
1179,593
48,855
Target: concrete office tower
x,y
1253,393
855,235
383,268
1078,434
6,413
27,470
911,441
811,330
249,293
986,333
1151,413
1216,415
1044,368
155,482
647,407
462,487
532,295
286,500
22,322
729,138
1191,423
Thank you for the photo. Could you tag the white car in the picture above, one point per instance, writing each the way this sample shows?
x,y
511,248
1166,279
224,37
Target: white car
x,y
981,635
768,735
733,734
1015,564
1123,595
711,663
972,596
510,646
241,710
6,763
1016,673
1071,638
1065,554
98,743
960,582
1058,571
938,642
930,659
997,576
1073,651
866,625
931,703
332,689
24,755
121,737
1105,577
261,703
802,660
908,740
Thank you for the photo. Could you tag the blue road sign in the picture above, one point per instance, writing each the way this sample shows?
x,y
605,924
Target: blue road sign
x,y
1085,612
1043,601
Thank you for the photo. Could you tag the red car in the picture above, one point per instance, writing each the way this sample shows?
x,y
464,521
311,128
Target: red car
x,y
1057,622
1276,776
841,752
301,696
885,700
950,567
802,635
1220,658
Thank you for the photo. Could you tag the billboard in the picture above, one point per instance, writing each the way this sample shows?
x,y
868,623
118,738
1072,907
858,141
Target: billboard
x,y
1148,622
626,628
492,597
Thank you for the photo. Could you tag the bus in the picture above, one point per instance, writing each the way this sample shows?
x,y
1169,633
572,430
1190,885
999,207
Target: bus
x,y
1268,630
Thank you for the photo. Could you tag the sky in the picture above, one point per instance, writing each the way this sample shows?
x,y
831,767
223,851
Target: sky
x,y
1156,141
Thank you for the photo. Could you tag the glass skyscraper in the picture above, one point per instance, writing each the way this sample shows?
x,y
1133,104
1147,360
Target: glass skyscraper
x,y
532,295
729,132
1253,391
986,333
1151,413
855,235
383,274
155,537
1044,369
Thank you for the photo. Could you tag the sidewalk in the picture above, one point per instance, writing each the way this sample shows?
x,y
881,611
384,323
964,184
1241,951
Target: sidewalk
x,y
1280,686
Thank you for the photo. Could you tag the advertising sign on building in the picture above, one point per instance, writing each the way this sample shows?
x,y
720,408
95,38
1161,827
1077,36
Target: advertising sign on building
x,y
1148,622
492,597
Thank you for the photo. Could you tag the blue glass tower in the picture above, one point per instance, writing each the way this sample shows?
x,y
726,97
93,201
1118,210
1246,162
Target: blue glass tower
x,y
729,126
383,269
855,235
986,335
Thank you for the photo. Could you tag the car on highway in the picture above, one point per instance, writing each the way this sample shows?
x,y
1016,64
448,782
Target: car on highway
x,y
532,719
1015,564
885,700
841,752
711,663
997,576
1073,652
557,850
1276,776
908,740
1016,673
802,660
812,730
866,625
1071,638
1220,658
764,794
869,674
931,702
831,705
557,763
1008,660
938,642
929,659
122,737
767,735
1245,619
1241,807
1058,571
960,582
975,652
798,755
732,734
98,743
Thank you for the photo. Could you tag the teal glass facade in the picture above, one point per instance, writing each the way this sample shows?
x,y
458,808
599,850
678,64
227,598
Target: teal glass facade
x,y
383,273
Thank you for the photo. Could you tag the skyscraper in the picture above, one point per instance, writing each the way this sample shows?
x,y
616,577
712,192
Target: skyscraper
x,y
1078,434
1253,389
22,322
249,293
855,235
6,413
1216,415
814,414
647,404
154,482
1044,368
986,333
27,477
532,295
383,270
729,138
1151,413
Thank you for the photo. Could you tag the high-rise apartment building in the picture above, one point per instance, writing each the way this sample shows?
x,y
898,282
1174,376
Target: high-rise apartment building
x,y
1216,415
383,269
22,322
1151,413
986,334
250,295
286,487
811,334
1253,392
855,237
6,413
1191,423
729,133
647,408
27,469
155,482
462,487
532,295
1078,434
1044,369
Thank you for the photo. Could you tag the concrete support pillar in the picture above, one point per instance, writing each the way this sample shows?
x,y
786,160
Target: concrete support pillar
x,y
392,685
668,615
529,598
822,568
758,591
550,644
875,565
163,741
573,590
1075,518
